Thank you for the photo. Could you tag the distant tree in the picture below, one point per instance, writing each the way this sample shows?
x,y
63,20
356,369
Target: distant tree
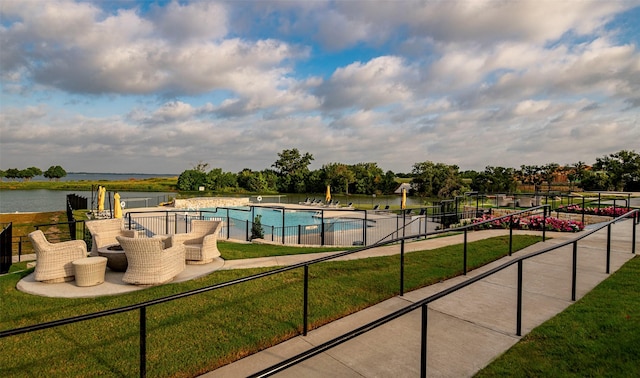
x,y
339,176
271,179
575,173
530,175
622,168
3,174
251,181
217,180
367,178
12,173
29,173
595,181
293,169
388,183
55,173
548,173
494,180
201,167
191,179
435,180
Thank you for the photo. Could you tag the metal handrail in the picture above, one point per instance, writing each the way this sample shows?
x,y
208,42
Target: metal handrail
x,y
143,305
424,302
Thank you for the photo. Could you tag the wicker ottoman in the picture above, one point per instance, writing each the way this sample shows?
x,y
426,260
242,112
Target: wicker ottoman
x,y
90,271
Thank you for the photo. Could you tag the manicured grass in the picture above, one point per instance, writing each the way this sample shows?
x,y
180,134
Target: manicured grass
x,y
155,184
235,251
598,336
196,334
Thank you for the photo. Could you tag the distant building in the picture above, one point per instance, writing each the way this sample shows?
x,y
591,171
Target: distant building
x,y
405,185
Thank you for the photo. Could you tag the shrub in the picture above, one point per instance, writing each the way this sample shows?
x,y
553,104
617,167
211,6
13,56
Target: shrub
x,y
530,223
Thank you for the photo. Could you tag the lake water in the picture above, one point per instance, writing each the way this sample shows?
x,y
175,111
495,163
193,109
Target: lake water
x,y
42,200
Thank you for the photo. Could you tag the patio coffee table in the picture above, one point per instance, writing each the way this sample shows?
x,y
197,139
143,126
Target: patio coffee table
x,y
116,259
90,271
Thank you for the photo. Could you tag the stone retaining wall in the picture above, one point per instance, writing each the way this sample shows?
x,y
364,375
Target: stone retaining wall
x,y
206,202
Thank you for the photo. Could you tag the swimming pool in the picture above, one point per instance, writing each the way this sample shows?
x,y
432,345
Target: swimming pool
x,y
273,217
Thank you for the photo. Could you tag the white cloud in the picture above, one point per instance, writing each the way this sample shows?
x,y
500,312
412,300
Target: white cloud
x,y
202,20
472,83
379,82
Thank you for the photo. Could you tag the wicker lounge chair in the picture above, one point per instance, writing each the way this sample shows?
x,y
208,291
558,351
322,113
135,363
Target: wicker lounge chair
x,y
54,260
149,263
201,242
104,232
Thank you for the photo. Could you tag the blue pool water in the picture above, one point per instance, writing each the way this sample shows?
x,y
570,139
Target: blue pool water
x,y
274,217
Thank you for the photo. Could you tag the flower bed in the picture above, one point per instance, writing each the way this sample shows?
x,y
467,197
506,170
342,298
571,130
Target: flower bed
x,y
531,223
605,211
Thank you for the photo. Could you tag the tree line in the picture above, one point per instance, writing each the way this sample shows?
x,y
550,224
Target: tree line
x,y
53,173
290,173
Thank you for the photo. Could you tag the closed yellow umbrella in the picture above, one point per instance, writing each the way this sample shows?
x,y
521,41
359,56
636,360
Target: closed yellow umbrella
x,y
117,209
328,196
404,199
101,192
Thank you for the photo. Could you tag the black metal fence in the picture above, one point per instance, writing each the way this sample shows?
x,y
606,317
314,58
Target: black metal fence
x,y
77,202
6,252
142,307
423,304
348,228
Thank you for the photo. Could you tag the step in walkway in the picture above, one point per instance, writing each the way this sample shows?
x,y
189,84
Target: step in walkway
x,y
466,330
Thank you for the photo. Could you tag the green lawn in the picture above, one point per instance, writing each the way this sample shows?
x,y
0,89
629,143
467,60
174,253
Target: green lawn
x,y
196,334
235,251
598,336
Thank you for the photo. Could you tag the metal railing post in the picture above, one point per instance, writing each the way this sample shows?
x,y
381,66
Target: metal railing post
x,y
402,268
510,235
608,248
519,302
544,222
283,227
364,231
143,342
574,271
633,232
322,227
464,263
305,303
423,342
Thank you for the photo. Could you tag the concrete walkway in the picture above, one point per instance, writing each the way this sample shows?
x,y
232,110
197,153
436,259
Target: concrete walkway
x,y
466,330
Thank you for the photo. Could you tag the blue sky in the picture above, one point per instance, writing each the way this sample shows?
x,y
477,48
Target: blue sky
x,y
158,87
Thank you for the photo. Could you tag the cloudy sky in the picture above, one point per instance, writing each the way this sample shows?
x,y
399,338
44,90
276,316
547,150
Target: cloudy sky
x,y
157,87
